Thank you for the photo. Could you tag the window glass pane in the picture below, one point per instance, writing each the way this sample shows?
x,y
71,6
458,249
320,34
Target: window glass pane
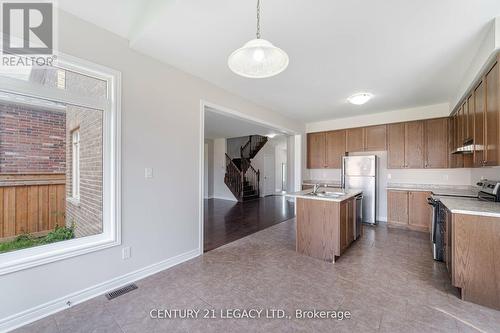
x,y
36,160
59,78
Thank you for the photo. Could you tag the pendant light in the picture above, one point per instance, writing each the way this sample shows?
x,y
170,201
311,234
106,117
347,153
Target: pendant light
x,y
258,58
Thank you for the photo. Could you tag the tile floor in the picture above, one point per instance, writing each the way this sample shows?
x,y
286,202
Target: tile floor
x,y
387,280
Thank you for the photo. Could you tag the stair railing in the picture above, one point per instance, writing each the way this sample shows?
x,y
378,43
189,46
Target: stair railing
x,y
252,176
234,178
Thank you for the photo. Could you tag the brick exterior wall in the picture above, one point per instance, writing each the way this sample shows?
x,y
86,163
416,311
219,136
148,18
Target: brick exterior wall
x,y
87,213
32,141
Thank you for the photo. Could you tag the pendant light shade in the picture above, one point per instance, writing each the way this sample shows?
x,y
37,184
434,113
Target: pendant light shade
x,y
258,59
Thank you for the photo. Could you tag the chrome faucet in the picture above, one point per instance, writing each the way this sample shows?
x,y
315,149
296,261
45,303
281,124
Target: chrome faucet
x,y
315,188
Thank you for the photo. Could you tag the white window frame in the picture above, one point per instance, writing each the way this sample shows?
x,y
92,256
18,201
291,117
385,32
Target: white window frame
x,y
111,106
75,164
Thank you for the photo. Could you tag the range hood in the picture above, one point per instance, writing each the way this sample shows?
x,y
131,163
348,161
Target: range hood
x,y
468,148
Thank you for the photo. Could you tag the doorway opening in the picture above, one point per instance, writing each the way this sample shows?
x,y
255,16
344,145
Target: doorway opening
x,y
245,174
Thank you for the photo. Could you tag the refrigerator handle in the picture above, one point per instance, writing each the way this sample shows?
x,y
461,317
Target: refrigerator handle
x,y
342,175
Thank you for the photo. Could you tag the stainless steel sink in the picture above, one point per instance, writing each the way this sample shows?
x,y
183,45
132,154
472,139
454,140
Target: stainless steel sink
x,y
327,194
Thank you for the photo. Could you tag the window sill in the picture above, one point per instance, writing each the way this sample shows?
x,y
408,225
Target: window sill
x,y
44,254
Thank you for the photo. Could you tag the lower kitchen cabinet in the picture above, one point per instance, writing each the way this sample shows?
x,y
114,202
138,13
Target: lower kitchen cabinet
x,y
419,211
397,207
409,209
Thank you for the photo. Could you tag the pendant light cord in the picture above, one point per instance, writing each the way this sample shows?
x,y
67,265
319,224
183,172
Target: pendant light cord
x,y
258,19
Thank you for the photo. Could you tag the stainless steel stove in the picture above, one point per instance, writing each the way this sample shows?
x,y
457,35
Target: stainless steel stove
x,y
490,190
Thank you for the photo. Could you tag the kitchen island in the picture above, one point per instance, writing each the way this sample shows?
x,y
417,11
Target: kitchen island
x,y
325,222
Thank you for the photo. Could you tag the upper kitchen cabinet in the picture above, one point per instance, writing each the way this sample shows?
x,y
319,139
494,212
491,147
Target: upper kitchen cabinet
x,y
316,153
396,146
470,118
479,110
492,117
355,139
414,144
335,148
436,143
375,138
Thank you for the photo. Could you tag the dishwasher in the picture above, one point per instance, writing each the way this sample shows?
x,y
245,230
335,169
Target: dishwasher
x,y
359,216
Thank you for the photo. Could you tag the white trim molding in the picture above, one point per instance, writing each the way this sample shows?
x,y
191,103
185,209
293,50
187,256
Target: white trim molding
x,y
44,310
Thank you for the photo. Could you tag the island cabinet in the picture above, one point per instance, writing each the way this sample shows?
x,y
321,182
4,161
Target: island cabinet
x,y
409,210
325,228
471,246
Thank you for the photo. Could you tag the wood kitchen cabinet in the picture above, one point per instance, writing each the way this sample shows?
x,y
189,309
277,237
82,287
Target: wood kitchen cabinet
x,y
419,211
335,148
355,138
324,228
396,146
409,209
479,110
414,145
397,207
436,144
375,138
492,117
316,154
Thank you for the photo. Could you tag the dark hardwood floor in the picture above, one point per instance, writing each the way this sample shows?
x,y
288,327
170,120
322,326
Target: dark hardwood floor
x,y
227,221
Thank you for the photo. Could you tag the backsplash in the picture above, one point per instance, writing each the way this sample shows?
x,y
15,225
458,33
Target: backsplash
x,y
491,173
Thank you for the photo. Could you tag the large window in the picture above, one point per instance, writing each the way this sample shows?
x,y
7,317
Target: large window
x,y
59,162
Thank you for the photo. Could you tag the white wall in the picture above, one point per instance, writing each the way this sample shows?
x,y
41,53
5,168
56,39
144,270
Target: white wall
x,y
486,50
209,176
491,173
221,191
393,116
280,153
160,129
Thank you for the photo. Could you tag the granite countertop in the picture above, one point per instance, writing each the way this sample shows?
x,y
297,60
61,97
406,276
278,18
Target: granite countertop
x,y
304,194
452,190
321,182
470,206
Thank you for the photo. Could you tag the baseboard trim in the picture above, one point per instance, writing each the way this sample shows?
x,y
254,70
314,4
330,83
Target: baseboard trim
x,y
46,309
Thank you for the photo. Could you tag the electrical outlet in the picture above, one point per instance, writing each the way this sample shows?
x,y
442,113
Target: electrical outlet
x,y
148,173
126,253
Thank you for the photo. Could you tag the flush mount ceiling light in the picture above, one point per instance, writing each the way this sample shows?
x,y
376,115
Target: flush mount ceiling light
x,y
258,58
359,99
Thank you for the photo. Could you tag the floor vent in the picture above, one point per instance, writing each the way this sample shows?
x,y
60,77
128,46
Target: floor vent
x,y
121,291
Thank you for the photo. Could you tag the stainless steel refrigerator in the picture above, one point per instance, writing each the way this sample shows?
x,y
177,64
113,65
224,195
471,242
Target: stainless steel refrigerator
x,y
360,173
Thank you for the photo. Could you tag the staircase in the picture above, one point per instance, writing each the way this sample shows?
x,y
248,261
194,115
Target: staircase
x,y
241,177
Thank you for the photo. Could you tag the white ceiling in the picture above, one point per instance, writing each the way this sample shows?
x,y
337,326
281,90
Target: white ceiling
x,y
408,53
219,126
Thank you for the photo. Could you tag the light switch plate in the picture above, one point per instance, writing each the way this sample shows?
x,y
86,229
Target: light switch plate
x,y
148,173
126,253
